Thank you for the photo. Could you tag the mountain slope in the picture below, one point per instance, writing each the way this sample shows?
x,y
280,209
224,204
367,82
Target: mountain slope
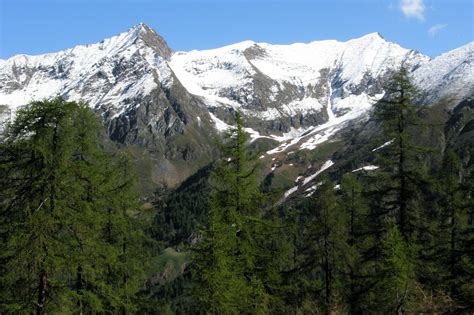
x,y
169,107
127,80
450,75
296,85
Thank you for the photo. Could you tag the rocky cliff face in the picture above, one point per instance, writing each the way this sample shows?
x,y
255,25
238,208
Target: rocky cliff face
x,y
174,104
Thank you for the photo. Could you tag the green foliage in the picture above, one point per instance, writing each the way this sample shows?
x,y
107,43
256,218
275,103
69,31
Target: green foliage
x,y
401,172
67,239
395,240
361,265
234,262
330,237
180,211
453,242
397,285
222,256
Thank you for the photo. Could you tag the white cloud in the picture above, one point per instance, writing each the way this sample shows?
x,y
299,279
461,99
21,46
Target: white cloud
x,y
413,9
434,30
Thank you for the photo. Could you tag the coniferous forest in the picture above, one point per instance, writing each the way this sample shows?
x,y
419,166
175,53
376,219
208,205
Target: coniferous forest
x,y
77,236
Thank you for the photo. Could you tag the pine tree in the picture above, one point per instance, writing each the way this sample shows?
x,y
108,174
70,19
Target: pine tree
x,y
221,284
401,172
466,245
224,260
398,192
322,253
234,260
396,288
455,272
332,236
359,280
56,193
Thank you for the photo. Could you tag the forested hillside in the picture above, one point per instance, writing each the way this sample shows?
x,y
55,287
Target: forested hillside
x,y
393,236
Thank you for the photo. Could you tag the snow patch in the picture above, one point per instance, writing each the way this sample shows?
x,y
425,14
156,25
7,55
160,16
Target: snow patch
x,y
220,125
302,106
314,187
366,168
290,191
324,167
383,145
450,74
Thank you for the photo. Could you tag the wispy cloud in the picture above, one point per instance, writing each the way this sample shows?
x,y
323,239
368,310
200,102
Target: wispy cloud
x,y
413,9
435,29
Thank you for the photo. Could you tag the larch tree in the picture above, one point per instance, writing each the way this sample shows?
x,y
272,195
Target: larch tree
x,y
455,234
397,192
358,281
57,194
232,260
401,172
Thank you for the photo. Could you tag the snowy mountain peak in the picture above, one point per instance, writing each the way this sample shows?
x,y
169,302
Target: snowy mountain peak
x,y
141,26
149,37
450,75
278,88
139,30
299,78
373,36
298,95
107,72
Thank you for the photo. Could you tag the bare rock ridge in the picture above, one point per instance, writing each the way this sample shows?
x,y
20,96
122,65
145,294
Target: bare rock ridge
x,y
173,104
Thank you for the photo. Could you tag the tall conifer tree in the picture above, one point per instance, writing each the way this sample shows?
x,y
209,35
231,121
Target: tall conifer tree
x,y
56,197
400,172
455,234
236,260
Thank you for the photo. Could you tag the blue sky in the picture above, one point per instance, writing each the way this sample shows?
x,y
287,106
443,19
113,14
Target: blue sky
x,y
41,26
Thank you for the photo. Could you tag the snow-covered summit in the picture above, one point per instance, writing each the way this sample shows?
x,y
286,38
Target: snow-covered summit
x,y
89,53
450,75
273,81
98,73
279,88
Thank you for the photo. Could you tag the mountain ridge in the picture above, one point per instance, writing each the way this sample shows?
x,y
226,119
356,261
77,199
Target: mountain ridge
x,y
174,104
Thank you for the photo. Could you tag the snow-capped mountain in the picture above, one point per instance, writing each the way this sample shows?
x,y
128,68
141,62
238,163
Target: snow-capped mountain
x,y
174,103
450,75
274,81
128,81
107,74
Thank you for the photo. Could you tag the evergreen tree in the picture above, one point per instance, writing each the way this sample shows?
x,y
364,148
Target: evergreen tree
x,y
359,280
224,259
465,282
397,193
396,288
455,272
331,236
56,198
323,255
401,172
234,261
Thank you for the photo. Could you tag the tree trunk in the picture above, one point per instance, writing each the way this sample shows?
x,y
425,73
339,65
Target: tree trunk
x,y
352,304
79,288
41,293
452,258
327,274
403,198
